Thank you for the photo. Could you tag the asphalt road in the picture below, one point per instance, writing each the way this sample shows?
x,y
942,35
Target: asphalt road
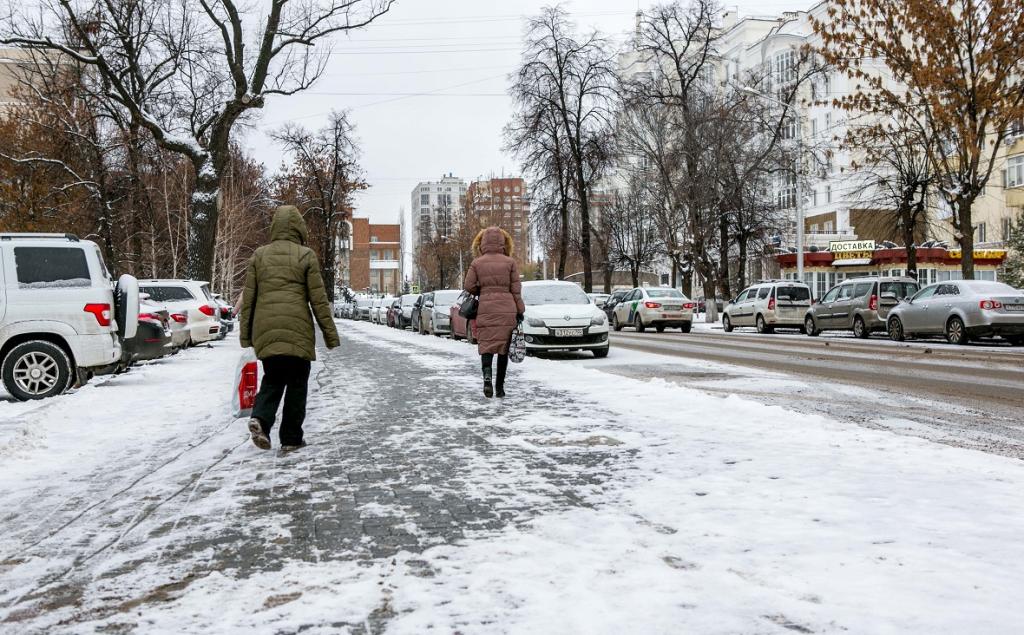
x,y
968,396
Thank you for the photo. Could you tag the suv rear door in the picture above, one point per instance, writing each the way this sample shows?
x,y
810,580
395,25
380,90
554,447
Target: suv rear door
x,y
792,301
39,279
900,289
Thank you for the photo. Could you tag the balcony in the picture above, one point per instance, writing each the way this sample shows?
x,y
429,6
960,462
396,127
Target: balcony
x,y
384,264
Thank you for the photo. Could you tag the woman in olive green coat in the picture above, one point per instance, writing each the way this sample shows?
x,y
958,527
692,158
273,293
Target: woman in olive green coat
x,y
282,283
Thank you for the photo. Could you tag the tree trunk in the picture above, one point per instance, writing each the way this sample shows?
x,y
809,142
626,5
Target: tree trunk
x,y
908,213
563,241
741,278
202,222
966,216
634,271
710,303
723,254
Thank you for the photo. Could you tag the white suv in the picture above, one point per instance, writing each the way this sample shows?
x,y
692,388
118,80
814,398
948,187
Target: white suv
x,y
58,310
189,302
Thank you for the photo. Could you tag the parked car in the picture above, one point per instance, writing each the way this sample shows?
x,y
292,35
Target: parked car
x,y
153,339
435,315
860,305
702,305
394,311
362,309
461,328
599,299
961,310
191,299
58,314
225,313
419,314
414,313
408,302
768,305
560,317
611,302
660,307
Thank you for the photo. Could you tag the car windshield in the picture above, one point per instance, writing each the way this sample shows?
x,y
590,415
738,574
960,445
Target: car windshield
x,y
900,289
554,294
364,303
665,293
446,298
796,294
410,300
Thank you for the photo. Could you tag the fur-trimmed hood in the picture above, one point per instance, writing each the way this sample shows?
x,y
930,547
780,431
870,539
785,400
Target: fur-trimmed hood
x,y
493,240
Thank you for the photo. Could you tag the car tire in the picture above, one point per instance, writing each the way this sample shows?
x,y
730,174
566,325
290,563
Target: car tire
x,y
810,328
762,326
638,324
660,328
49,359
686,327
726,323
860,329
956,332
895,328
615,322
601,353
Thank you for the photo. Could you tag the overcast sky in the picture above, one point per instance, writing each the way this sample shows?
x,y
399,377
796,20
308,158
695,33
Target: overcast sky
x,y
456,55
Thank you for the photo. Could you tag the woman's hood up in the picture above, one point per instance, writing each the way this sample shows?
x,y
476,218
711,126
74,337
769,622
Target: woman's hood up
x,y
493,240
288,224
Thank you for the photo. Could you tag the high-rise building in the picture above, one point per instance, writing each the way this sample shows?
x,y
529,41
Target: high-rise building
x,y
435,212
503,202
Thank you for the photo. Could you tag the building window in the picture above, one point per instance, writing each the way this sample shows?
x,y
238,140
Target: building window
x,y
374,254
373,239
785,191
1007,229
814,126
789,128
828,227
828,193
424,199
1015,171
980,233
814,197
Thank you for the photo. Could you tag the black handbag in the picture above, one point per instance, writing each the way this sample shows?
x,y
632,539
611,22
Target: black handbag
x,y
468,308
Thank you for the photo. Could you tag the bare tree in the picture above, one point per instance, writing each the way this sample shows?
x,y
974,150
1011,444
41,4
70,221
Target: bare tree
x,y
634,236
324,175
188,72
571,77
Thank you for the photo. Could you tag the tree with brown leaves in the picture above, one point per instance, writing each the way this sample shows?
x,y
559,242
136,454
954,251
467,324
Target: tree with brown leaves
x,y
952,69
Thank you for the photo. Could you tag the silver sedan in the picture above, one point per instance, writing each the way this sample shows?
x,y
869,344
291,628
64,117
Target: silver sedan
x,y
961,310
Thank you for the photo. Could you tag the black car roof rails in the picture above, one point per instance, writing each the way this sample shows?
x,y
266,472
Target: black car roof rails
x,y
42,236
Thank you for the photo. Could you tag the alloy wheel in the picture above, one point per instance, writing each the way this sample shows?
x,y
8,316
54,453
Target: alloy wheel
x,y
36,373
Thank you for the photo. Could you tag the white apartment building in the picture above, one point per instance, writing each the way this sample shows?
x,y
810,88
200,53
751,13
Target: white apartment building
x,y
436,206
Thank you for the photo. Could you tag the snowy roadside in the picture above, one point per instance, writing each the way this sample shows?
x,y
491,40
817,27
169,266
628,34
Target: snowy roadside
x,y
721,515
749,513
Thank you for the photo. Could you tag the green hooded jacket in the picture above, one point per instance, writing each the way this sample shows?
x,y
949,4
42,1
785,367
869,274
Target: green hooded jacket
x,y
282,283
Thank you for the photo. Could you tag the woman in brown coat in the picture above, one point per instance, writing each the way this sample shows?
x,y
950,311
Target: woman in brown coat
x,y
494,277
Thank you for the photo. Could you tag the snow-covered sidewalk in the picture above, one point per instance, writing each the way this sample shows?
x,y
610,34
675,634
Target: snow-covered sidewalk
x,y
586,502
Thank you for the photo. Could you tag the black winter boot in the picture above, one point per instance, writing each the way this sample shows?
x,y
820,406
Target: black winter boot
x,y
488,388
499,391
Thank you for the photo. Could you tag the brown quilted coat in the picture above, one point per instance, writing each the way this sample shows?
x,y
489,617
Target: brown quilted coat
x,y
494,276
282,285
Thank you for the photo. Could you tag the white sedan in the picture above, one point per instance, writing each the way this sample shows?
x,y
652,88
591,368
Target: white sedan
x,y
660,307
560,317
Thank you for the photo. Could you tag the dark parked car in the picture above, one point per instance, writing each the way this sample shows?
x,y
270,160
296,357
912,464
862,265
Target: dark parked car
x,y
616,297
153,339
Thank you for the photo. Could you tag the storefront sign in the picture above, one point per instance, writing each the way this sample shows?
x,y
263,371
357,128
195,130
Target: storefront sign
x,y
837,246
981,254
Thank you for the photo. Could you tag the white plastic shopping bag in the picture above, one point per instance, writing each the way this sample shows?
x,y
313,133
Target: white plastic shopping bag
x,y
247,382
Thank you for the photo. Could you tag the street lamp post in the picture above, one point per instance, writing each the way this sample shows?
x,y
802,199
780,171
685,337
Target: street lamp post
x,y
799,182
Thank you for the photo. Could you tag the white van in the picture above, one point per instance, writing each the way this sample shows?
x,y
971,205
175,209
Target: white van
x,y
59,314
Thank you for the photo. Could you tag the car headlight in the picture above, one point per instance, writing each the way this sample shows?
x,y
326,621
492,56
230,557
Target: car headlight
x,y
534,322
599,320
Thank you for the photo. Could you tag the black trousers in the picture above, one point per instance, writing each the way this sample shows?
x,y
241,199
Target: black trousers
x,y
287,377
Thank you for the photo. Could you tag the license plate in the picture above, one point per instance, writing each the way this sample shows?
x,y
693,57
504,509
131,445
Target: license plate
x,y
1014,307
668,316
568,332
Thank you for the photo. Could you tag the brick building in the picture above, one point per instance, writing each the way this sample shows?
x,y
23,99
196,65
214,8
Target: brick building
x,y
375,263
502,202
